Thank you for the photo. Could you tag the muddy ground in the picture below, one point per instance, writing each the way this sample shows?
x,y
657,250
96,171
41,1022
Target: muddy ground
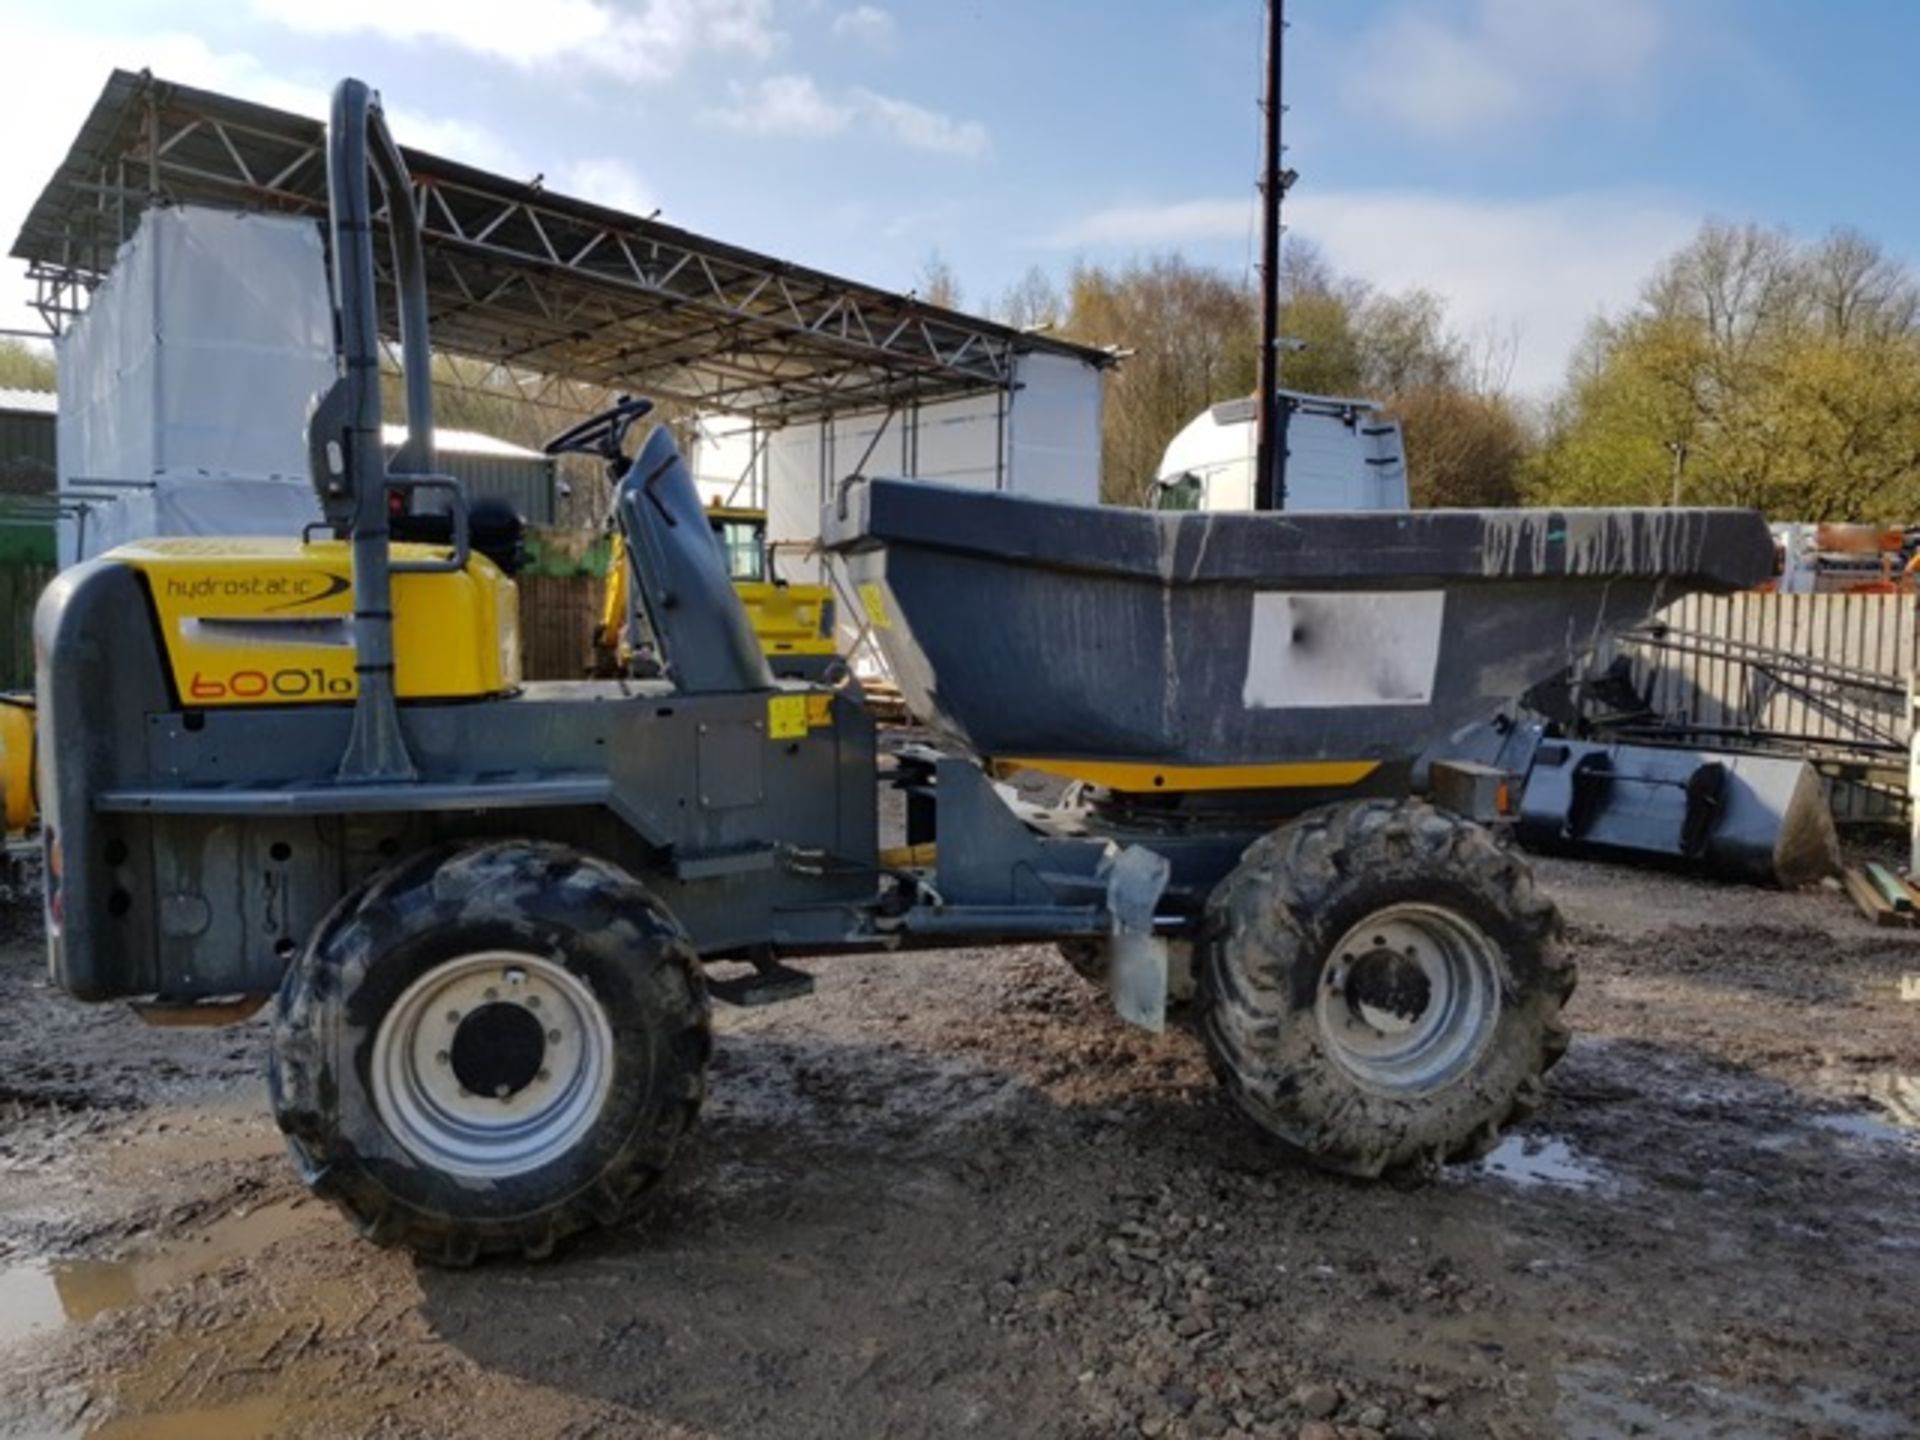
x,y
952,1195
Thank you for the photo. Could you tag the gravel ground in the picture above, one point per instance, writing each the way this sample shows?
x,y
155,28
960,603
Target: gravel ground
x,y
952,1195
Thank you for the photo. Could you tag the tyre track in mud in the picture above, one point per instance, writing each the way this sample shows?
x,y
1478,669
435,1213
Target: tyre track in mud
x,y
951,1195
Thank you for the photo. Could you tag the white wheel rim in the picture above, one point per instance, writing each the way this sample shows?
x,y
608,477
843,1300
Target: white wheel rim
x,y
1409,999
492,1064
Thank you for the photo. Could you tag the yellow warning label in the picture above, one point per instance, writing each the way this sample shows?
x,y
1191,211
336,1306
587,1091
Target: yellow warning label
x,y
875,604
786,717
819,711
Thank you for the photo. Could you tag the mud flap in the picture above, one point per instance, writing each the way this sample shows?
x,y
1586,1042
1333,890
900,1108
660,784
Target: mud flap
x,y
1137,970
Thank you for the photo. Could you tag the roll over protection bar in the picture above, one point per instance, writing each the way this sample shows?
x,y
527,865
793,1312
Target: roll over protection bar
x,y
346,455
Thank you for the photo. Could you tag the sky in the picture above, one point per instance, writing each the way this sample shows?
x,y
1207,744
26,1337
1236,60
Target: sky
x,y
1528,160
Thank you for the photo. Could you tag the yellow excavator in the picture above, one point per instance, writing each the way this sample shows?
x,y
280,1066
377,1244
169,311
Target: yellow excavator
x,y
793,622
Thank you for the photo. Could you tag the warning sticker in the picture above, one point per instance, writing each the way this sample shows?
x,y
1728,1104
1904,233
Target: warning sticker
x,y
786,717
874,602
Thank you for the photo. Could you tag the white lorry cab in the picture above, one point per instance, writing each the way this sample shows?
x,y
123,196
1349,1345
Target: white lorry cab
x,y
1340,455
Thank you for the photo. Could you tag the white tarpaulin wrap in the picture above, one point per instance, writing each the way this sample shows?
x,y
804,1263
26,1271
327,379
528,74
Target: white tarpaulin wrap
x,y
1041,438
184,388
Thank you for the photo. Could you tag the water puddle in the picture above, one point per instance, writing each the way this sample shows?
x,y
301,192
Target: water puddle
x,y
1893,1116
1871,1129
1601,1403
41,1295
1531,1160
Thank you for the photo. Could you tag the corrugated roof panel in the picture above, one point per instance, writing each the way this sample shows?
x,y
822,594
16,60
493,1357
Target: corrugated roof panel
x,y
29,402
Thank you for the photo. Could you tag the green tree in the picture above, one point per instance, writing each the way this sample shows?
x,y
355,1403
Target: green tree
x,y
24,366
1188,342
1464,447
1775,373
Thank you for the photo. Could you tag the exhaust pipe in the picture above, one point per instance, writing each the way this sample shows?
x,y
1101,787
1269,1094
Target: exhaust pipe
x,y
348,459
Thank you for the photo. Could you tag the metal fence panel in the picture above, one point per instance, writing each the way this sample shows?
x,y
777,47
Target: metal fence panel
x,y
1855,716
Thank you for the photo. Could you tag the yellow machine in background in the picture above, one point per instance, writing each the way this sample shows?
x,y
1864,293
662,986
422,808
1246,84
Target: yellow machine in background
x,y
16,762
794,623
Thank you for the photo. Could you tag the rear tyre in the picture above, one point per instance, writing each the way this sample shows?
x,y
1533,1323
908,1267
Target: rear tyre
x,y
1383,987
485,1050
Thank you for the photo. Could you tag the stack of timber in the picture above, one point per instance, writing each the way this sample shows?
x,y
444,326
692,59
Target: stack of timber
x,y
1883,897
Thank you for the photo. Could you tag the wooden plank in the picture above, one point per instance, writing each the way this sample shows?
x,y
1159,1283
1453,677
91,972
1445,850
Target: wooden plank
x,y
1872,904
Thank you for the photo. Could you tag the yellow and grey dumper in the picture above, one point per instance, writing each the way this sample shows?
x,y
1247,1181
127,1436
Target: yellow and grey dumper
x,y
493,913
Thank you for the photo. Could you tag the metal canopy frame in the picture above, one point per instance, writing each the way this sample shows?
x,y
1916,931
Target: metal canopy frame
x,y
560,296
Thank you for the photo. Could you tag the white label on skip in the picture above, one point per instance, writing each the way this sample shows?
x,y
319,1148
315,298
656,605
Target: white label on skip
x,y
1318,649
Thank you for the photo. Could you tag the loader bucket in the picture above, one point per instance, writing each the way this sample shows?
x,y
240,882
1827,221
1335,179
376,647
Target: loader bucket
x,y
1023,628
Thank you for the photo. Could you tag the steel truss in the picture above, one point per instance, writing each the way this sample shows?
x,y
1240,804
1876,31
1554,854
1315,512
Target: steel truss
x,y
559,295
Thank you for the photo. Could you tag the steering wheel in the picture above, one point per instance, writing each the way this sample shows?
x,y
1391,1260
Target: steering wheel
x,y
604,434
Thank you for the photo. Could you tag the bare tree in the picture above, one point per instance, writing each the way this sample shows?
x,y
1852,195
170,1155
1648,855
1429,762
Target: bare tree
x,y
937,284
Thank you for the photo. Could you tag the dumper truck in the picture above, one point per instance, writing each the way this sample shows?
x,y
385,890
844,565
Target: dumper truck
x,y
490,916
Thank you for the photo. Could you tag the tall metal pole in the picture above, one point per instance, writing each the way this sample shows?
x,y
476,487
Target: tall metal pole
x,y
1270,457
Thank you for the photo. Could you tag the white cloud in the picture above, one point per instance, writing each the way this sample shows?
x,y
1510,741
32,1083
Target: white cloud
x,y
451,140
650,42
607,181
867,24
794,106
1539,268
788,105
1502,63
1148,226
922,129
1543,266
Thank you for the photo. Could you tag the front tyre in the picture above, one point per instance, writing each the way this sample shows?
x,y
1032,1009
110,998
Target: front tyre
x,y
487,1049
1383,987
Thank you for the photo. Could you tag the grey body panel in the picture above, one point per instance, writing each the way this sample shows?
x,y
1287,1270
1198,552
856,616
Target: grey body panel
x,y
200,848
702,628
1235,639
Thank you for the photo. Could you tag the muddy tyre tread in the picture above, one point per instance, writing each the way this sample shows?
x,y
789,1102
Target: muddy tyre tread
x,y
397,907
1270,925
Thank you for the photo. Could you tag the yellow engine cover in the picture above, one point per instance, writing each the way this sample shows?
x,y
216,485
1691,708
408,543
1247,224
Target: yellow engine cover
x,y
251,621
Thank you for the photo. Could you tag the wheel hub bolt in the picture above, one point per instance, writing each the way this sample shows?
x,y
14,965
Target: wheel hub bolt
x,y
443,1058
453,1017
553,1037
